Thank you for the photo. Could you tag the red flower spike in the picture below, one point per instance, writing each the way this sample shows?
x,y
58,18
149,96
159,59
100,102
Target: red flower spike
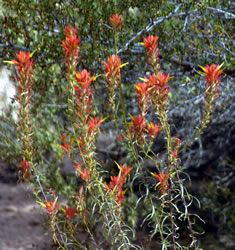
x,y
150,43
116,21
51,206
125,170
83,79
163,79
112,69
120,197
163,179
71,43
23,59
69,212
174,153
153,130
85,174
212,73
70,31
25,169
139,124
93,125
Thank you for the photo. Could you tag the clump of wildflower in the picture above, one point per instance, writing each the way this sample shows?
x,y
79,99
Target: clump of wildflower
x,y
116,21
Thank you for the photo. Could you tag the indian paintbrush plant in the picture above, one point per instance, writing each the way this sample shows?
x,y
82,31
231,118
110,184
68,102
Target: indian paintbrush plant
x,y
97,199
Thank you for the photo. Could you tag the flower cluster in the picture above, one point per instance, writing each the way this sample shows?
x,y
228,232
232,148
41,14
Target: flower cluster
x,y
25,171
83,95
85,174
212,76
150,43
163,178
51,206
65,146
116,21
71,47
25,71
143,95
69,212
113,76
115,187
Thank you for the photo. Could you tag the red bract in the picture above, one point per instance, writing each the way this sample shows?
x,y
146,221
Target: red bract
x,y
125,170
70,212
212,73
66,146
83,94
83,79
158,89
25,169
112,70
85,174
150,43
93,125
142,91
71,45
51,207
24,61
153,130
139,124
25,71
164,181
163,79
116,21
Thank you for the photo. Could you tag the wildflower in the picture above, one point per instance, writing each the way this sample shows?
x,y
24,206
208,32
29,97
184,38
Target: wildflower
x,y
174,154
212,73
24,62
93,125
116,21
83,79
112,70
153,130
125,170
70,212
143,91
163,179
71,44
163,79
139,124
85,174
25,169
158,89
51,206
66,146
150,43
